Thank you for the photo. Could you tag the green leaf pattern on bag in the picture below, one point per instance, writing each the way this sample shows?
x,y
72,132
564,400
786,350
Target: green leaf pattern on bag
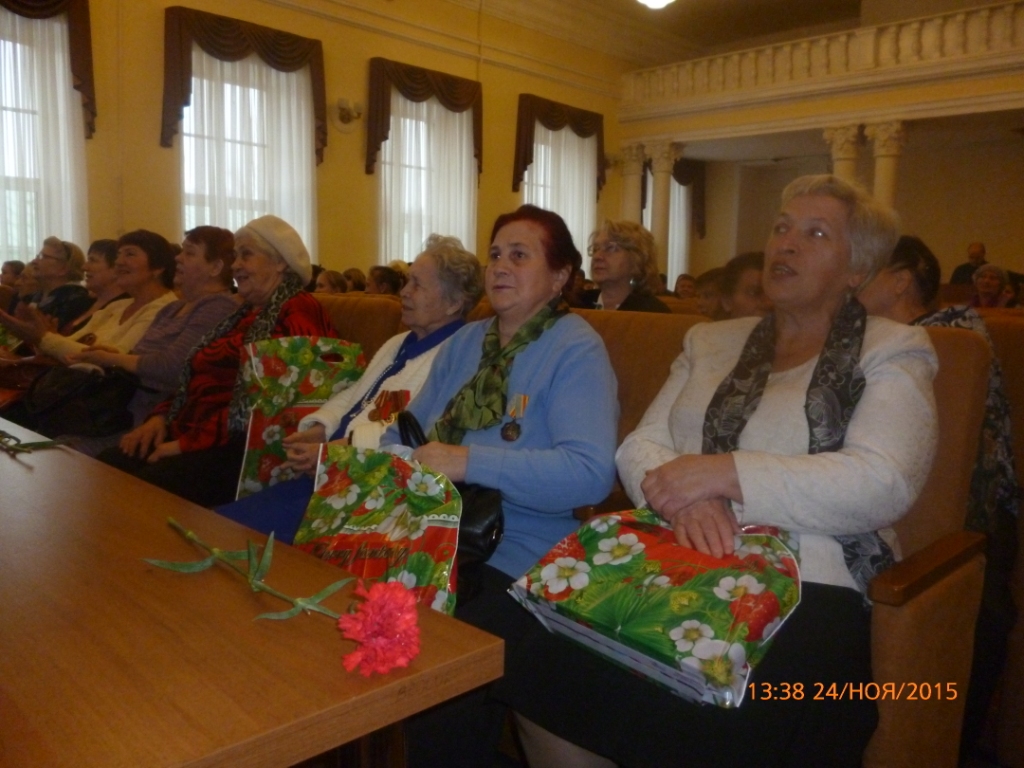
x,y
623,576
287,379
381,517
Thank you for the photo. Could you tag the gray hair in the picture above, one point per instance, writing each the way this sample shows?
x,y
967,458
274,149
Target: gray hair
x,y
1004,277
874,227
460,272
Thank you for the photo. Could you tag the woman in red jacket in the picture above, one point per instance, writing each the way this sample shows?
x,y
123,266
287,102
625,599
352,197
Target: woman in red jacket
x,y
193,444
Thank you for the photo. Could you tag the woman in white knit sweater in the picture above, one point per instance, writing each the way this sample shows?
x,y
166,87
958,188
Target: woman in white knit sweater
x,y
817,420
445,283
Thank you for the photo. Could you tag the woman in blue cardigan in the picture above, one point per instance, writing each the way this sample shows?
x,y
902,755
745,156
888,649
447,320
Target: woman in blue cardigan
x,y
525,403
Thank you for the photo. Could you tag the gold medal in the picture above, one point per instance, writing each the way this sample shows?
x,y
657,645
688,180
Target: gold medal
x,y
517,407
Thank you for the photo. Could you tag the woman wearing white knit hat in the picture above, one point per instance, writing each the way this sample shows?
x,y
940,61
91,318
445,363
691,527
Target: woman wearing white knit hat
x,y
193,443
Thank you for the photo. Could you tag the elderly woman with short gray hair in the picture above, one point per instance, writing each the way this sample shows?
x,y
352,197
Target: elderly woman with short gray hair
x,y
445,283
193,443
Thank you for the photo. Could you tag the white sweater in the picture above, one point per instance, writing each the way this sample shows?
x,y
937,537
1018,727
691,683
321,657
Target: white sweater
x,y
107,326
411,377
866,486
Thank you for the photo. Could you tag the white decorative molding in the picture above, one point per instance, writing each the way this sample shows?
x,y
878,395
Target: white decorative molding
x,y
887,138
953,46
663,155
844,141
631,158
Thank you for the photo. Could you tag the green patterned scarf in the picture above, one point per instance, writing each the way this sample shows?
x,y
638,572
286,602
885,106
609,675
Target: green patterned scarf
x,y
482,400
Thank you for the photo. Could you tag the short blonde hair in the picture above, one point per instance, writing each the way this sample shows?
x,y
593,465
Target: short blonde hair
x,y
874,227
639,243
72,255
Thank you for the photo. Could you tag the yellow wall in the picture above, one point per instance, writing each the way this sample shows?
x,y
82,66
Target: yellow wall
x,y
134,182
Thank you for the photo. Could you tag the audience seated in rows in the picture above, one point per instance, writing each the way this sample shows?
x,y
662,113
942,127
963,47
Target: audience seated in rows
x,y
330,281
906,290
59,269
445,283
740,286
686,287
193,443
100,281
384,280
9,272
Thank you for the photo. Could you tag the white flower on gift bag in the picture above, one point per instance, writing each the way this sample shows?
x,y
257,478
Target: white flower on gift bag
x,y
440,599
730,588
723,664
742,550
565,572
289,378
342,500
657,581
251,486
618,549
602,523
272,434
396,525
423,484
316,378
374,499
689,632
408,579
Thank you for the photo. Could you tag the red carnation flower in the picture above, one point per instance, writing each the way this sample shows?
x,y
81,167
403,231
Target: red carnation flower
x,y
385,626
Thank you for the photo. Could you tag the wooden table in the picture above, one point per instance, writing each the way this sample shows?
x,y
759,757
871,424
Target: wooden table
x,y
108,661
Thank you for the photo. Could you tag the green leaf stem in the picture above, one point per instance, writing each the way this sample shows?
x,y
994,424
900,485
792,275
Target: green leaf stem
x,y
257,565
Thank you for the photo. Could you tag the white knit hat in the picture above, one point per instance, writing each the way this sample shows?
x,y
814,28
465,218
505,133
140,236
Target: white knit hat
x,y
282,235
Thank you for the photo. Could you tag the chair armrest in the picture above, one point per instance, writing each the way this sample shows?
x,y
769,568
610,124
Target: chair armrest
x,y
910,577
616,502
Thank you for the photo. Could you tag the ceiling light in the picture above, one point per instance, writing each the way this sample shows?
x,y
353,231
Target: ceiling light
x,y
655,3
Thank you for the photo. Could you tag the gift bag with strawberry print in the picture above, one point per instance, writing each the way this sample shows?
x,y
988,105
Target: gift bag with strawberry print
x,y
379,516
691,622
288,378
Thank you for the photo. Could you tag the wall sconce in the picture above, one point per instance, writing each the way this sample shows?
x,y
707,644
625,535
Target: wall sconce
x,y
345,114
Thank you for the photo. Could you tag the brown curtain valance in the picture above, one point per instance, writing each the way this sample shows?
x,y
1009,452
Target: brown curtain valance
x,y
232,40
687,173
554,117
456,94
80,44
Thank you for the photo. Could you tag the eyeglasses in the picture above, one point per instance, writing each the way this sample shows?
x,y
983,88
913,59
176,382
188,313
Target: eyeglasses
x,y
608,247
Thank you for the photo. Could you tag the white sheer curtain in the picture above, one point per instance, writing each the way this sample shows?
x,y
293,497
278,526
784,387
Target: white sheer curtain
x,y
428,178
678,226
247,146
42,138
563,178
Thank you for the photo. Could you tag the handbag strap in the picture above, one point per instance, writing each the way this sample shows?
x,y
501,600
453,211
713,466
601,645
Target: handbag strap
x,y
409,429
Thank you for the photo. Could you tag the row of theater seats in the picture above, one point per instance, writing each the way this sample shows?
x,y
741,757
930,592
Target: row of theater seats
x,y
926,606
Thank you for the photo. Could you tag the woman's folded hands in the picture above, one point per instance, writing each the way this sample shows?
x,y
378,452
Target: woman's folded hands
x,y
693,493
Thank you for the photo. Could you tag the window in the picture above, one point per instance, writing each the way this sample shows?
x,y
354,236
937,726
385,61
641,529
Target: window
x,y
428,177
559,160
246,148
563,179
678,257
42,144
427,127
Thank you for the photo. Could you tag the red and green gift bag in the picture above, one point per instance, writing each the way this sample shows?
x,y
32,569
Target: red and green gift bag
x,y
691,622
379,516
287,379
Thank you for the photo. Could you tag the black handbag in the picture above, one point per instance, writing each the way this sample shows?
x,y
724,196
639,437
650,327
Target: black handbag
x,y
483,522
69,401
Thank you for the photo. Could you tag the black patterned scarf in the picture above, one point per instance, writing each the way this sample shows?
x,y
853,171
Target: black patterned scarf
x,y
482,400
835,389
262,328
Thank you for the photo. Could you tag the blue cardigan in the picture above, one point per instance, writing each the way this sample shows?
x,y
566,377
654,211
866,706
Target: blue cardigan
x,y
565,455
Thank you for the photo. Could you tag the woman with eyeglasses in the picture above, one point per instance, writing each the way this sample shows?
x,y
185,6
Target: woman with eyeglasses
x,y
59,268
624,265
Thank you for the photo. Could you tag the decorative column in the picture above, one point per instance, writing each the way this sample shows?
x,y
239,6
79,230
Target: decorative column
x,y
844,141
888,140
632,180
663,155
